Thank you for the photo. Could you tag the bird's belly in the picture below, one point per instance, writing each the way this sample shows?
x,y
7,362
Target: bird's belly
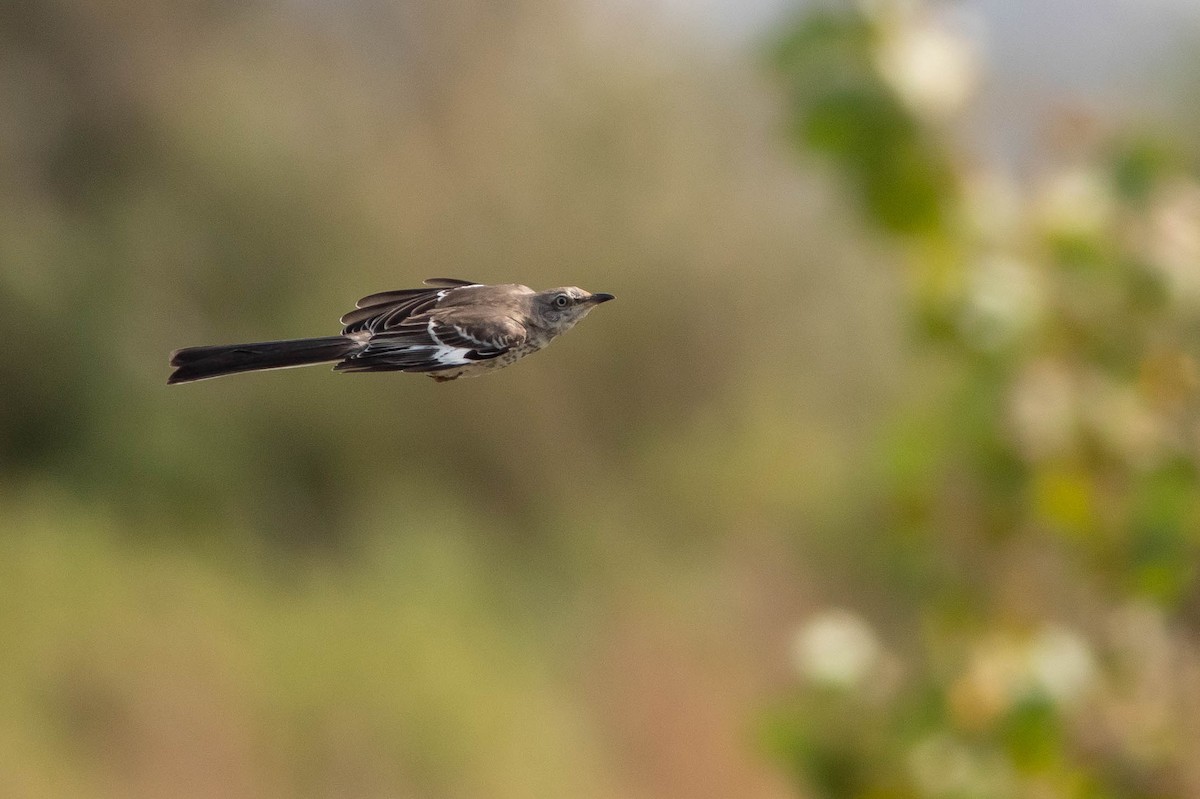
x,y
482,367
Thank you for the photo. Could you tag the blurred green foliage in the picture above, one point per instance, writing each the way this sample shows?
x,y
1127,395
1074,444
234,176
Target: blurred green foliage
x,y
848,113
1037,503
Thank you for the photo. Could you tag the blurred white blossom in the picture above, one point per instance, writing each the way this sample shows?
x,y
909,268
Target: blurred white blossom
x,y
1077,202
1173,238
1061,664
837,648
933,66
1005,298
1005,668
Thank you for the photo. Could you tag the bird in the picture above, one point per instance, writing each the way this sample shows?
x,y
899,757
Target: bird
x,y
448,329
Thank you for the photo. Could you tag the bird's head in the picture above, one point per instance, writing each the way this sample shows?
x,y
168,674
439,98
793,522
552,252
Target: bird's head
x,y
558,310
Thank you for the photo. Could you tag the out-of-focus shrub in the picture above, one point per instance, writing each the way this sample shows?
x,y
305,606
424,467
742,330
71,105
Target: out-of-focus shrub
x,y
1036,504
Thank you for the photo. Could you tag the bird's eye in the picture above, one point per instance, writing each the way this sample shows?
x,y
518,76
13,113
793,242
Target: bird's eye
x,y
562,301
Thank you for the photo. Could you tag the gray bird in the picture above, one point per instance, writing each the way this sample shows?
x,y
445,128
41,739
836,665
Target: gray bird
x,y
451,329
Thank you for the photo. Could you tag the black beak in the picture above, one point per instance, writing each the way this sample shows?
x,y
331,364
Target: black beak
x,y
599,298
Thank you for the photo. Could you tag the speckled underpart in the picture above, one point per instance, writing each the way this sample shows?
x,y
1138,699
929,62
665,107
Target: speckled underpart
x,y
483,367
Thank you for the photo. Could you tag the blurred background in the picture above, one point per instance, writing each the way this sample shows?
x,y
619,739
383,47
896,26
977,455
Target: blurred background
x,y
878,480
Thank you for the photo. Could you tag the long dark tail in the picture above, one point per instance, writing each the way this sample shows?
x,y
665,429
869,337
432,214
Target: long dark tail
x,y
200,363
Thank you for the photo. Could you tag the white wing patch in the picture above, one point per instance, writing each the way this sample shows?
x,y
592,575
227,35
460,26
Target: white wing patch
x,y
452,357
444,353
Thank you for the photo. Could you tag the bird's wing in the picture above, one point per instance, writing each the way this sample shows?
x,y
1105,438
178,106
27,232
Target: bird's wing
x,y
388,309
441,338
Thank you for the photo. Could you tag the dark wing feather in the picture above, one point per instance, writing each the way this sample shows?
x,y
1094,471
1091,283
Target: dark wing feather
x,y
390,308
390,313
450,281
434,341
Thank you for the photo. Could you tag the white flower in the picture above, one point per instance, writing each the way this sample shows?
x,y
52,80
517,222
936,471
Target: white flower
x,y
1077,202
1173,239
1055,663
836,648
1061,665
932,67
1006,298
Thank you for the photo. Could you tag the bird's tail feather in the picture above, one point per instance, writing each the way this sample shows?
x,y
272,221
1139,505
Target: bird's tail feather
x,y
200,363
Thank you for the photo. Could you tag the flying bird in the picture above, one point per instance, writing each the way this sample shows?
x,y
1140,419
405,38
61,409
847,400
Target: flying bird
x,y
449,329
